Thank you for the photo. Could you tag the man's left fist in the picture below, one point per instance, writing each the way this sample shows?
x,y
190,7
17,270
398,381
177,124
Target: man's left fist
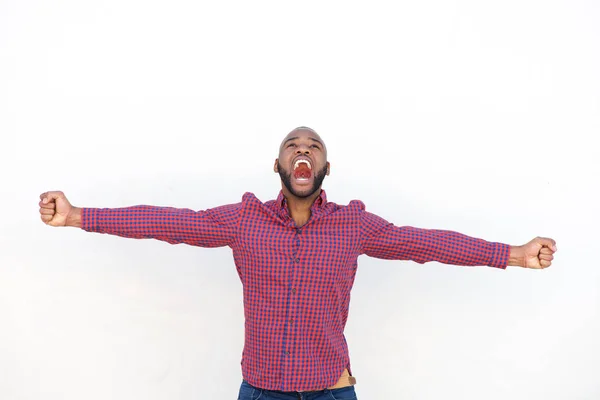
x,y
537,254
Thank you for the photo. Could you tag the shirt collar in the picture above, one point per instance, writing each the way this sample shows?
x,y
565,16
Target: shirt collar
x,y
320,201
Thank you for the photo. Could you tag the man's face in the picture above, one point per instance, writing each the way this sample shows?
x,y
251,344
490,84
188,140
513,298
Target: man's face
x,y
302,163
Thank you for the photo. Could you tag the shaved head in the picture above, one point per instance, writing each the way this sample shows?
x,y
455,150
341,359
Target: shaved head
x,y
303,130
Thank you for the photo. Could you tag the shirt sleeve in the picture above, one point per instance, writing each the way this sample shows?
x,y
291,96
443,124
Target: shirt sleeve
x,y
382,239
214,227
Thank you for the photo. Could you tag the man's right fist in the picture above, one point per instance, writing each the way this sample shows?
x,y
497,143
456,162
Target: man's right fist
x,y
55,210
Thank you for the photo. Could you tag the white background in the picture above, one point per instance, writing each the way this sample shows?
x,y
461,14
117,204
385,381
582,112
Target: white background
x,y
479,117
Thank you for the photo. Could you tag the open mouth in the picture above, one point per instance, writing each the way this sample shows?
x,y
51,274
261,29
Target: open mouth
x,y
302,170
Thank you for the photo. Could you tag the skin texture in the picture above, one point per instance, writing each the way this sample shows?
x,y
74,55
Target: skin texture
x,y
56,210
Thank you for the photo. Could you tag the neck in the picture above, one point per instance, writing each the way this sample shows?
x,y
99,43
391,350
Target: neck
x,y
299,208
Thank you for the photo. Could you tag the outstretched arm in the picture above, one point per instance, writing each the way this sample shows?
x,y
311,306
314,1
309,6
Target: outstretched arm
x,y
210,228
382,239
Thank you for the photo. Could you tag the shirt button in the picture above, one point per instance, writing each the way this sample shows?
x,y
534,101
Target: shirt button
x,y
297,260
298,231
287,353
294,290
291,321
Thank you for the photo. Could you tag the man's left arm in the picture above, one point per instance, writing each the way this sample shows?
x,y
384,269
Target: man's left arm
x,y
382,239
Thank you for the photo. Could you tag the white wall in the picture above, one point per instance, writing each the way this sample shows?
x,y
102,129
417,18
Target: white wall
x,y
476,117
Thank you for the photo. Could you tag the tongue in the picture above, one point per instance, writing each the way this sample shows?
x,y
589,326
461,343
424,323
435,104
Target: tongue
x,y
302,172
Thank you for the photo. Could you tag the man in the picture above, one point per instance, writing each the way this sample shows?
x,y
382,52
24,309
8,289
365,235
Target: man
x,y
296,257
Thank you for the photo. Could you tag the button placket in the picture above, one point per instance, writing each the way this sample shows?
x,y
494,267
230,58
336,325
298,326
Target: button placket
x,y
292,291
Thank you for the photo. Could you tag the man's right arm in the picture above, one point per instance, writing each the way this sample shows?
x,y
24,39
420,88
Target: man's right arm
x,y
210,228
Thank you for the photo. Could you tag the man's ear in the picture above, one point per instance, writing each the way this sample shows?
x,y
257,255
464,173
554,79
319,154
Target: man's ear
x,y
275,168
328,166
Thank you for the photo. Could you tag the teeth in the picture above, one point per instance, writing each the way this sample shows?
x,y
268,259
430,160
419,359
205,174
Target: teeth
x,y
298,162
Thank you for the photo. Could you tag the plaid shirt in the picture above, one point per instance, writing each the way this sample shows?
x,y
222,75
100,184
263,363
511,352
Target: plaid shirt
x,y
296,281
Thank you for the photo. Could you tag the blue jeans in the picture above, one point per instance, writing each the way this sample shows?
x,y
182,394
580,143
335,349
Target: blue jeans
x,y
249,392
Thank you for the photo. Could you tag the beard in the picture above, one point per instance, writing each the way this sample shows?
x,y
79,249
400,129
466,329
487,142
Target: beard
x,y
286,178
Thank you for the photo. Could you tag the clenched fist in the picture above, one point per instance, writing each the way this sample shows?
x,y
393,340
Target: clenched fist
x,y
55,210
537,254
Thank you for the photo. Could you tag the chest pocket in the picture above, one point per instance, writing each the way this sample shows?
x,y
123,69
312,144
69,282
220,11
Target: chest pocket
x,y
328,255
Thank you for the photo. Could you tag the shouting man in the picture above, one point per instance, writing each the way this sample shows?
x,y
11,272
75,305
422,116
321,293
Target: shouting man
x,y
296,257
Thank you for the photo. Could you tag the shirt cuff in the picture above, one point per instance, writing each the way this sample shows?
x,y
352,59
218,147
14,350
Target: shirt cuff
x,y
500,253
89,219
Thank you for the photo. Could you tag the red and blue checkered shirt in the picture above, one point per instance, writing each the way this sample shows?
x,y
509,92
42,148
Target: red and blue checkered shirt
x,y
296,280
